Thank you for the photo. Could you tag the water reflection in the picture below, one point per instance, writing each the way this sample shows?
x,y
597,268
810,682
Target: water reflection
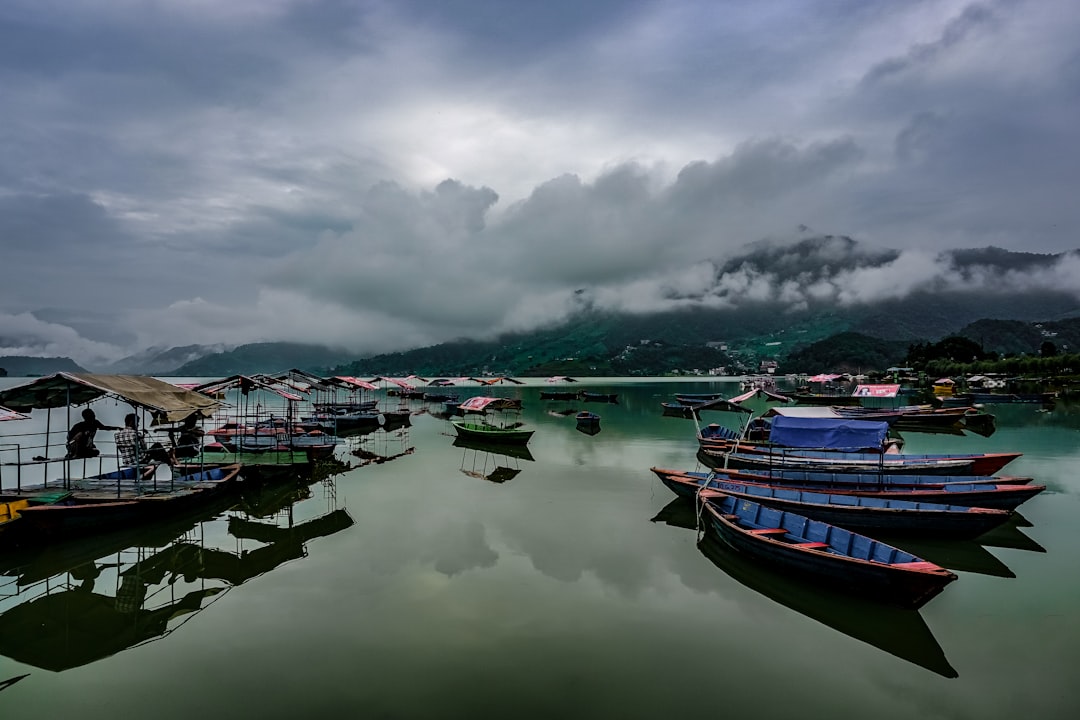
x,y
898,631
390,442
72,603
492,462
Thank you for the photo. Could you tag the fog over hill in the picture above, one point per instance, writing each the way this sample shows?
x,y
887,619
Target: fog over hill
x,y
820,282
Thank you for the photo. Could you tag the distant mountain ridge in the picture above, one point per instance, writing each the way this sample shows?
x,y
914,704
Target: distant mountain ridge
x,y
263,358
727,324
20,366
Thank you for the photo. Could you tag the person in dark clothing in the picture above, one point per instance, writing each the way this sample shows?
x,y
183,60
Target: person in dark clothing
x,y
80,438
187,439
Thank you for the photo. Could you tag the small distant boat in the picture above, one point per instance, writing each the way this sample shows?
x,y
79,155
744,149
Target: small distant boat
x,y
587,422
825,552
697,398
599,397
558,395
487,433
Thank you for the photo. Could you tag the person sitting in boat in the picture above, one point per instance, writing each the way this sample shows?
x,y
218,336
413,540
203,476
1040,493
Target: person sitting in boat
x,y
187,439
80,438
131,448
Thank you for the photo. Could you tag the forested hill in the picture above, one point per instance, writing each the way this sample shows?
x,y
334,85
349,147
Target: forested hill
x,y
19,366
263,357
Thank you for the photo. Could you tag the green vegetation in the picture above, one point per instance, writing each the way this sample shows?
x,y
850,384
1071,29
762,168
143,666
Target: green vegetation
x,y
263,357
846,352
19,366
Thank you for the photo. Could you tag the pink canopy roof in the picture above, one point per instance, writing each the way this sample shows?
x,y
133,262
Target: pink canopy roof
x,y
6,414
478,403
357,382
822,378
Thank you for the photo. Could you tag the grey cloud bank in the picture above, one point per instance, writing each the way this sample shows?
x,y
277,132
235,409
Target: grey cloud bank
x,y
381,175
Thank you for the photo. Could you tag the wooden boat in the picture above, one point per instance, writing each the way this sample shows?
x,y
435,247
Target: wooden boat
x,y
587,422
487,433
983,495
810,478
857,512
901,632
12,506
674,409
119,501
825,552
587,418
558,395
697,398
744,456
599,397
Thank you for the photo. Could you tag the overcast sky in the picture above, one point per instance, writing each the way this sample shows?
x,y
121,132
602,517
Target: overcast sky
x,y
382,175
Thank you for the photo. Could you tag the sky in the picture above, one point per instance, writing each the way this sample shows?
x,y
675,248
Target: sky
x,y
380,175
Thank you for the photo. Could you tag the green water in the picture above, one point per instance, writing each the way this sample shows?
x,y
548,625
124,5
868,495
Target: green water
x,y
415,588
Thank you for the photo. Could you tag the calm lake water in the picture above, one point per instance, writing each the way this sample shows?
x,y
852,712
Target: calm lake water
x,y
418,587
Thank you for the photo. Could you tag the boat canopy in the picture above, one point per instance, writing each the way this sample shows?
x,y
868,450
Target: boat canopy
x,y
823,378
835,434
480,403
246,384
356,382
165,401
6,414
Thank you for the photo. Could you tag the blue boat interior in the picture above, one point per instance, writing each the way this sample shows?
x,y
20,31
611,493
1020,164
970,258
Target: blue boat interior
x,y
821,498
804,532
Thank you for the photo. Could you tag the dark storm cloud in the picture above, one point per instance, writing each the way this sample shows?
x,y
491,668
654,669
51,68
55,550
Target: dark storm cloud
x,y
278,169
974,19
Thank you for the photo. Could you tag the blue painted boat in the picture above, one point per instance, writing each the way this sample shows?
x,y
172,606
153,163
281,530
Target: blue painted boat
x,y
599,397
982,495
824,480
857,512
824,552
588,422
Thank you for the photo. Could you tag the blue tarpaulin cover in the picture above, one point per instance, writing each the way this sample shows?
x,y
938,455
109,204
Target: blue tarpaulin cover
x,y
807,432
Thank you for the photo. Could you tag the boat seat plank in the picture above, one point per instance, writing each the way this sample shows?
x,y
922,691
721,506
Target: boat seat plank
x,y
811,545
768,531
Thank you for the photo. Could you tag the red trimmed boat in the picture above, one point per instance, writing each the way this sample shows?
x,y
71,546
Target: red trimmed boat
x,y
982,495
824,552
857,512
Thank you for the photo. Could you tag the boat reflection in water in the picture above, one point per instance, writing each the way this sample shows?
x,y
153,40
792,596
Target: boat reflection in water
x,y
382,445
898,631
494,462
77,602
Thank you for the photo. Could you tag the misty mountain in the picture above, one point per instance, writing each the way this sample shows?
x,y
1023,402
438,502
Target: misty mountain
x,y
263,358
160,361
17,365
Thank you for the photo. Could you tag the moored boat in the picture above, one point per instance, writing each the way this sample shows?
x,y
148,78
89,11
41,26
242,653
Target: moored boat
x,y
984,495
757,458
488,433
853,511
122,499
828,553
